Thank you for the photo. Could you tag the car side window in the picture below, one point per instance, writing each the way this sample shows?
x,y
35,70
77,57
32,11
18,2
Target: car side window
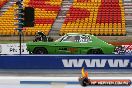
x,y
77,38
85,39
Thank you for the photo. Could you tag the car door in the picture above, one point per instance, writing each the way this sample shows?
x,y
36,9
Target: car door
x,y
85,43
69,45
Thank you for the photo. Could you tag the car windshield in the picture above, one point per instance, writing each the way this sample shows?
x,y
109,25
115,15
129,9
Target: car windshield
x,y
61,38
71,39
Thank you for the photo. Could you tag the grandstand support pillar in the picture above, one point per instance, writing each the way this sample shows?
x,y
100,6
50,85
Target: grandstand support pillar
x,y
20,20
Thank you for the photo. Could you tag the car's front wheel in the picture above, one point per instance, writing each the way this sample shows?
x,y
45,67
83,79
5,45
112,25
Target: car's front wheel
x,y
95,51
40,50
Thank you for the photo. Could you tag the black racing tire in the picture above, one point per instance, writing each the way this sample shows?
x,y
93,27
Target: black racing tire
x,y
40,50
95,51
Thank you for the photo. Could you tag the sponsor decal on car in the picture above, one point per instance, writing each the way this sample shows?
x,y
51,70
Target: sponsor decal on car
x,y
72,50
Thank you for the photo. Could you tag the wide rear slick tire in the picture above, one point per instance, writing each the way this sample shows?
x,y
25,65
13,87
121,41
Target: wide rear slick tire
x,y
40,50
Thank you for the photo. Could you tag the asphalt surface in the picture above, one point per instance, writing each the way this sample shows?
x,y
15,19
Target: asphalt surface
x,y
66,73
14,82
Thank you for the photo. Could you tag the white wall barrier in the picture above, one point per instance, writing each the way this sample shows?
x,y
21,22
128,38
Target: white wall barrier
x,y
13,48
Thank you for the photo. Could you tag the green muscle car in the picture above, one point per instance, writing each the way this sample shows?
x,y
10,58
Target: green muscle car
x,y
72,43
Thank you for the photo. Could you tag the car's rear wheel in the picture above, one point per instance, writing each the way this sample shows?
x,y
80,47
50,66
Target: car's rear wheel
x,y
95,51
40,50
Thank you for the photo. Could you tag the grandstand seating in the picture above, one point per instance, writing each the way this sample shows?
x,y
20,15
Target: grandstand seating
x,y
2,2
45,14
7,22
98,17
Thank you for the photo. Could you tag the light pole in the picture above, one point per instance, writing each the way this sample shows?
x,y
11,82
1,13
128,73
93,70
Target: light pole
x,y
20,21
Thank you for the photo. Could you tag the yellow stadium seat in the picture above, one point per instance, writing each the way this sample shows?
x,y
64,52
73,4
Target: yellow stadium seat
x,y
96,32
102,25
106,25
110,32
70,31
124,32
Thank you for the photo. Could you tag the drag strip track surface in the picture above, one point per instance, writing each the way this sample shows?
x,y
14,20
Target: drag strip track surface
x,y
51,82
